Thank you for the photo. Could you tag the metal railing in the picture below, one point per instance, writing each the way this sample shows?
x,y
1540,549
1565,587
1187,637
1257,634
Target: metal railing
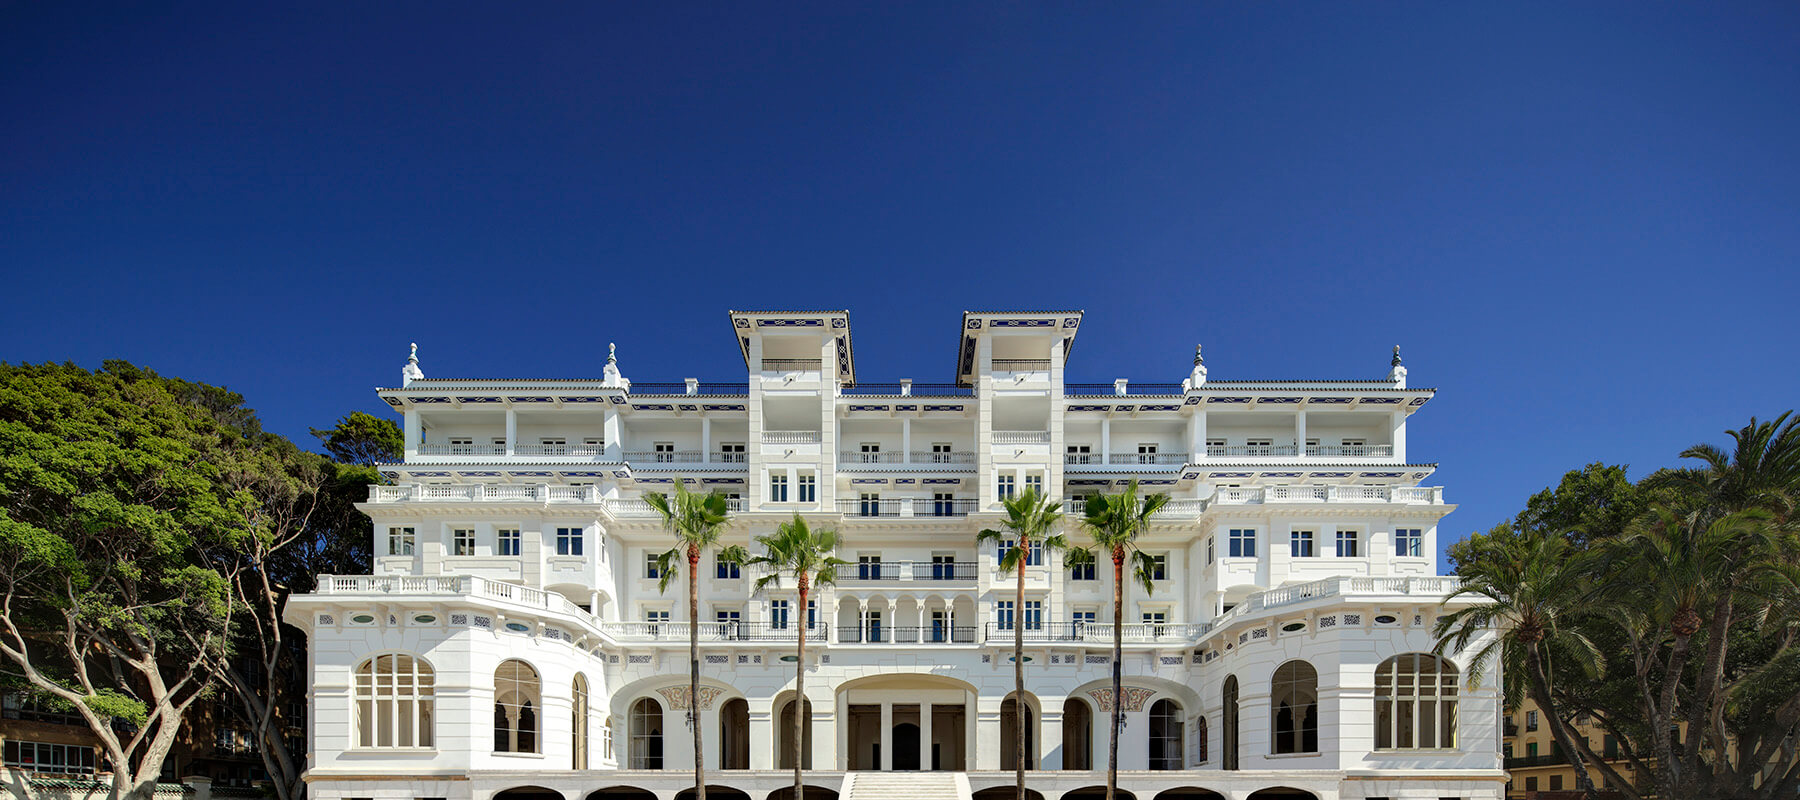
x,y
922,571
703,387
790,437
1350,450
960,507
915,390
665,456
1176,459
1096,389
851,458
1252,450
935,634
791,364
870,508
1021,437
722,457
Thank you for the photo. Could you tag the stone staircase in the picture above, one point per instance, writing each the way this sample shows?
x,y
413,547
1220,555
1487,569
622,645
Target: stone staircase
x,y
905,786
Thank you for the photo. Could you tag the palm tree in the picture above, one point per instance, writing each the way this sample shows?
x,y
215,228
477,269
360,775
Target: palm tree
x,y
1029,519
696,520
806,555
1114,521
1531,583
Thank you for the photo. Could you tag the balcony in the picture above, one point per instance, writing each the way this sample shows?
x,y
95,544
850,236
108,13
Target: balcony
x,y
1021,437
852,459
909,389
664,456
904,634
909,571
1134,389
1125,459
1102,632
1411,495
1251,450
792,365
713,388
907,507
579,450
790,437
1350,450
1021,365
710,631
518,493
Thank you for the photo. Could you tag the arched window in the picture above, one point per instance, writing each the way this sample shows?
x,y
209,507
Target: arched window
x,y
646,735
1294,700
1200,754
518,696
1165,735
1078,735
1415,703
579,724
1009,734
394,702
1230,712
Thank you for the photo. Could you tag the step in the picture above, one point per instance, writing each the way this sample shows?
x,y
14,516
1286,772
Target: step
x,y
906,786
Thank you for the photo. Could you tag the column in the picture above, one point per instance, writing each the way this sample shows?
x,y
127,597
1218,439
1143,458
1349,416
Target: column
x,y
1050,737
706,439
906,440
613,435
512,432
762,729
412,426
1300,432
970,740
1399,424
887,735
987,743
842,727
887,622
1106,440
925,734
1197,436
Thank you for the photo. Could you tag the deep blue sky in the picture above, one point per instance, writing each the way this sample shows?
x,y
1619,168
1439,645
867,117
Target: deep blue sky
x,y
1582,221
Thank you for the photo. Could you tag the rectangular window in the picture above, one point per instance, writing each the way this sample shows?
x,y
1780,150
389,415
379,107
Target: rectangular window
x,y
506,541
1409,542
1531,781
943,504
1346,544
1159,567
869,504
593,446
868,567
1146,454
1209,549
462,446
1531,749
1035,483
725,569
556,446
732,453
67,759
1300,544
1080,454
568,541
1155,617
1215,447
778,614
663,452
778,486
1084,617
462,541
652,570
1259,447
871,453
1034,615
401,541
1082,572
732,616
1243,543
1003,615
941,453
1556,783
809,488
1035,559
1531,722
1006,486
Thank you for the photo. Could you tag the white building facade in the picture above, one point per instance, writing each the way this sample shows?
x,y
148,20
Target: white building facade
x,y
512,642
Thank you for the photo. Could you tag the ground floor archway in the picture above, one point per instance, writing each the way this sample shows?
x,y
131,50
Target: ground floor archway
x,y
713,791
811,793
906,722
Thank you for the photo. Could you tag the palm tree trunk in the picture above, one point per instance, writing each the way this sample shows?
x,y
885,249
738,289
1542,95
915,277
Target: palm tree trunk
x,y
693,555
1118,676
1540,693
800,696
1019,667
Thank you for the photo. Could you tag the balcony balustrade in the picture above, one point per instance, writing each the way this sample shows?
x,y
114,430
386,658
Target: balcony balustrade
x,y
1251,450
790,437
1431,495
909,571
1021,365
1021,437
664,456
1101,389
851,458
791,365
1350,450
582,450
715,388
440,449
915,390
710,631
1102,632
871,508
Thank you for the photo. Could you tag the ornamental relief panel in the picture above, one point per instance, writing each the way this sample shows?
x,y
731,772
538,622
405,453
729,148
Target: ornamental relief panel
x,y
1135,696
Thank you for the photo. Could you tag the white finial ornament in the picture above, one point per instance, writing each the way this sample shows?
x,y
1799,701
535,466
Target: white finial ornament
x,y
610,375
411,371
1398,373
1198,376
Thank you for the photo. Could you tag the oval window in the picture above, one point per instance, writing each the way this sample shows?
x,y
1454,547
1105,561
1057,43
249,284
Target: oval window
x,y
424,619
363,619
518,626
1294,626
1386,619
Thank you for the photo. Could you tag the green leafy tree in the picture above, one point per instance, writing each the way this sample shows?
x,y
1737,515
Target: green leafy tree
x,y
808,557
1030,518
1113,522
1528,586
114,483
363,439
696,520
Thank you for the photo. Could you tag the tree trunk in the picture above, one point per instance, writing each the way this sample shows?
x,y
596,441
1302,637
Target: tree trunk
x,y
800,697
1118,676
1019,666
693,557
1540,693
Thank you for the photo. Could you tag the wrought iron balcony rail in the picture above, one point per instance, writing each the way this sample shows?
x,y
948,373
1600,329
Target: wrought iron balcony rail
x,y
1130,389
916,390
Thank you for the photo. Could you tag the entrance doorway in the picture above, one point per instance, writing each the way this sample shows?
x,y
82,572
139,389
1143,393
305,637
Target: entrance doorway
x,y
906,746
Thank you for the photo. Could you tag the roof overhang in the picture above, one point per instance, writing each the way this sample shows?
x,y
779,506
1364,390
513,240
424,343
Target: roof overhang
x,y
979,323
833,323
